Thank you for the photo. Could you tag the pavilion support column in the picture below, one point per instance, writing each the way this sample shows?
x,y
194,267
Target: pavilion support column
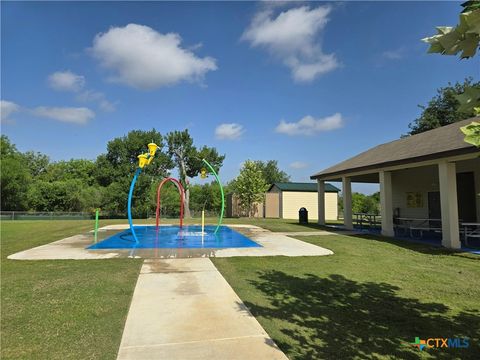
x,y
321,202
386,204
448,200
347,202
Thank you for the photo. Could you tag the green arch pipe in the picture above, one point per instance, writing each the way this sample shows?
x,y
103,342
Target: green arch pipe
x,y
221,191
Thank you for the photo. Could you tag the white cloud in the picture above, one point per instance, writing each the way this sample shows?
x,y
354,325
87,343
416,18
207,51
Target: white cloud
x,y
143,58
308,125
298,165
292,38
395,54
97,97
229,131
106,105
76,115
66,81
7,108
73,115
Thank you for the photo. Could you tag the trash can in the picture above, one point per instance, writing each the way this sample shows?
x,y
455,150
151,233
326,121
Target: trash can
x,y
303,216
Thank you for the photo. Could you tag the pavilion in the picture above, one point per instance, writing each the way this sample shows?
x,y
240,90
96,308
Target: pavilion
x,y
431,177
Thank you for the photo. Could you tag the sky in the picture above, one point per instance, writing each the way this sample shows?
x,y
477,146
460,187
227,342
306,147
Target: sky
x,y
309,84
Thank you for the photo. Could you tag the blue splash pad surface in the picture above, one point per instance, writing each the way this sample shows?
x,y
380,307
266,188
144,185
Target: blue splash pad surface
x,y
172,237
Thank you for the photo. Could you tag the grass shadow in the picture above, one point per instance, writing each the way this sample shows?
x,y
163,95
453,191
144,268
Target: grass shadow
x,y
334,317
418,246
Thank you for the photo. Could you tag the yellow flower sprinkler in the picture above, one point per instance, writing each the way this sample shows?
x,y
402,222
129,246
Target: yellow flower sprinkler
x,y
143,160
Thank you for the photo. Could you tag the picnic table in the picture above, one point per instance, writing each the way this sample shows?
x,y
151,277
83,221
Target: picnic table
x,y
470,229
361,218
410,225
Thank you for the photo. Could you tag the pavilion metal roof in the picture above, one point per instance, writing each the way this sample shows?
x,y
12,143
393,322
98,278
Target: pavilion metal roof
x,y
437,143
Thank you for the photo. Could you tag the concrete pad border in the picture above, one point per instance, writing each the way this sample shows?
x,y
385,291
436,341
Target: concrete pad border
x,y
273,244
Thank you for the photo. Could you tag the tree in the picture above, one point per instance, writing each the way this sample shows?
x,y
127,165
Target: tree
x,y
443,109
170,199
361,203
57,196
271,172
114,171
7,149
30,181
206,196
14,177
74,169
114,198
14,183
366,204
91,197
250,186
36,162
188,159
465,39
121,160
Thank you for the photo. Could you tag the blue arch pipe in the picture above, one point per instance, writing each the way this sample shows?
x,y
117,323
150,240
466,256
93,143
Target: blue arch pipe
x,y
130,195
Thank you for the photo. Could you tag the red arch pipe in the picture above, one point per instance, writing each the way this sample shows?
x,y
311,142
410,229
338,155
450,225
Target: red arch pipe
x,y
182,196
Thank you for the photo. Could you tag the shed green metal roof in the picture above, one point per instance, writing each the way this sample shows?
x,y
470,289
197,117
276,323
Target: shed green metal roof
x,y
307,187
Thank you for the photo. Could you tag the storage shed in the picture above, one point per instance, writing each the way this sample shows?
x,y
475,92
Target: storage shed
x,y
283,200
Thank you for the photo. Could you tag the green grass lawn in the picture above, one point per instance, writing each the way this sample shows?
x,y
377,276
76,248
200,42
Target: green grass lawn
x,y
369,300
69,309
280,225
59,309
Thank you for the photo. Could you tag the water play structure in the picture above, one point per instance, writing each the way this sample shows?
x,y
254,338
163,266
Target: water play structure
x,y
144,160
220,218
181,191
172,238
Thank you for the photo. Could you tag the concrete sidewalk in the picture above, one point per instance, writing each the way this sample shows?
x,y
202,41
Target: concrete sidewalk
x,y
185,309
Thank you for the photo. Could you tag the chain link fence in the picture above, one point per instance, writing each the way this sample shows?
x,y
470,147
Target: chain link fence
x,y
59,215
50,215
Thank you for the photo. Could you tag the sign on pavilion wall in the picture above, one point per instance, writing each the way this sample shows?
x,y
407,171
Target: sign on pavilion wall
x,y
414,200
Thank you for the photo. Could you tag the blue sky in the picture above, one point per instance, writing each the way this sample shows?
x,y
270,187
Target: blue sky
x,y
307,84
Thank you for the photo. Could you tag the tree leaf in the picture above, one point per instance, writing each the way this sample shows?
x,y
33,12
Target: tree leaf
x,y
442,30
436,48
469,46
472,133
450,40
464,38
469,99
